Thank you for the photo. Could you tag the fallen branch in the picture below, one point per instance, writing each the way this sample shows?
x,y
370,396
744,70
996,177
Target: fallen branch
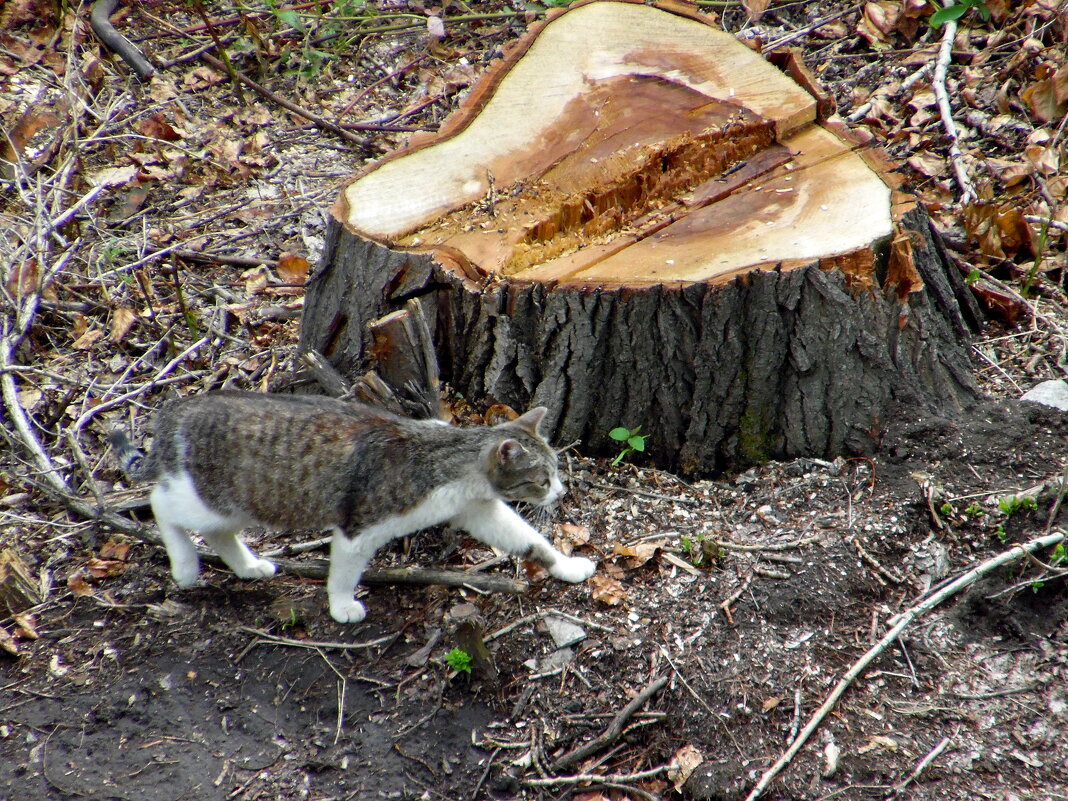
x,y
938,84
615,728
902,621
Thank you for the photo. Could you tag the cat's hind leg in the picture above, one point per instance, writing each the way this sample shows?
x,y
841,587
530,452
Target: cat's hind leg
x,y
497,524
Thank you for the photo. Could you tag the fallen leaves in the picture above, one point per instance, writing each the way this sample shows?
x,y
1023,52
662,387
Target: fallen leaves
x,y
606,590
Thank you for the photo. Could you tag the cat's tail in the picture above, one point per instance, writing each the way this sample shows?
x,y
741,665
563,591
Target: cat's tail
x,y
132,461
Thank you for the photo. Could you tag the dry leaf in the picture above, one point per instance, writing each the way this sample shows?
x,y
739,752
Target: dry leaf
x,y
77,584
113,549
255,280
500,413
1046,160
435,27
292,269
607,590
88,339
638,555
156,127
22,282
26,629
928,164
683,764
878,742
576,535
7,643
112,176
755,8
122,320
771,703
105,568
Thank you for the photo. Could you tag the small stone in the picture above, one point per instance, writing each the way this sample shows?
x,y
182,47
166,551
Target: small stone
x,y
557,659
1049,393
564,632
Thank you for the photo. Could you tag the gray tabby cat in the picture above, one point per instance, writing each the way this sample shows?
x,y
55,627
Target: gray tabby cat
x,y
223,461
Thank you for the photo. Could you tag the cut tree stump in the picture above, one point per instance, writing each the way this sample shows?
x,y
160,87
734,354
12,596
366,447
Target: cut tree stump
x,y
635,219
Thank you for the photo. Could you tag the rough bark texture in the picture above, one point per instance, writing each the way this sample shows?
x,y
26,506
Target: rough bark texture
x,y
774,364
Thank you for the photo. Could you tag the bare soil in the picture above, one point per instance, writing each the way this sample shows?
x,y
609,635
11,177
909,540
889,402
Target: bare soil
x,y
752,593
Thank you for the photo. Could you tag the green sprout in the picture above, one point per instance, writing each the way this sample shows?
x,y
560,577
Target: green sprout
x,y
1011,504
632,439
459,660
958,10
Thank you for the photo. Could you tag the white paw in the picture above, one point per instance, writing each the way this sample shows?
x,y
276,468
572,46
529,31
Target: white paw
x,y
186,573
347,611
256,569
573,569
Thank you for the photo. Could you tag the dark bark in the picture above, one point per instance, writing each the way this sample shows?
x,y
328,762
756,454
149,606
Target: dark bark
x,y
771,365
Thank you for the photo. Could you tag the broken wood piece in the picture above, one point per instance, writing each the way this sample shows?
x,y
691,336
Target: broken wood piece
x,y
635,219
402,352
331,381
18,590
470,635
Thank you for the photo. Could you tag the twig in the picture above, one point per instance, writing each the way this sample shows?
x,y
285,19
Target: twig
x,y
615,778
686,684
859,112
771,546
899,788
276,639
902,621
286,104
614,728
938,84
91,412
785,40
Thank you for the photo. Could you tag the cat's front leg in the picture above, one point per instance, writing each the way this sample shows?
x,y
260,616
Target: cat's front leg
x,y
497,524
349,555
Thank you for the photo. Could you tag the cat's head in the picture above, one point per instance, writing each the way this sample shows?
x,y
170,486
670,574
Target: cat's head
x,y
522,465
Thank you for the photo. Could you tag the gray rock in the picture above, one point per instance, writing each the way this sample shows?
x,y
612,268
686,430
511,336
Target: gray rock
x,y
1049,393
564,632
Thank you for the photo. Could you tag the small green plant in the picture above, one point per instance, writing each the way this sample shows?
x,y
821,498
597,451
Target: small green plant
x,y
459,660
1001,533
1011,504
946,509
957,10
633,441
975,510
694,550
1059,555
973,276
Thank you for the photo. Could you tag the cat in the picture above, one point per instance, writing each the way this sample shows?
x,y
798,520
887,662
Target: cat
x,y
226,460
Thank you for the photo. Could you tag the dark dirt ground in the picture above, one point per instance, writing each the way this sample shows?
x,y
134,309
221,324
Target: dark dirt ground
x,y
126,688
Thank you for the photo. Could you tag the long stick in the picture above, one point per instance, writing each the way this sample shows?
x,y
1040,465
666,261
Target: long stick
x,y
1015,553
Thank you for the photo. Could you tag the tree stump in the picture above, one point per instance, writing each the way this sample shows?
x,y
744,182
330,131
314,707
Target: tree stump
x,y
635,219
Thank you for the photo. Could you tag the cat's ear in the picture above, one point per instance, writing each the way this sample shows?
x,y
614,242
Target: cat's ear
x,y
530,421
509,450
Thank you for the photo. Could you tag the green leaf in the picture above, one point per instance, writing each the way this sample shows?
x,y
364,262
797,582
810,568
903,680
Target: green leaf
x,y
620,434
290,18
459,660
637,443
944,15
